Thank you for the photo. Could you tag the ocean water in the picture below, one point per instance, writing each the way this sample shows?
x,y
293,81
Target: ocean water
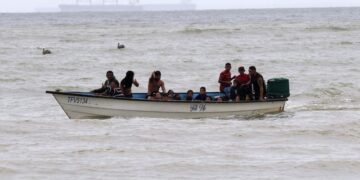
x,y
317,137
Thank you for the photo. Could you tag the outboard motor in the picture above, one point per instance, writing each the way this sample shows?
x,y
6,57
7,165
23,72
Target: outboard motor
x,y
278,88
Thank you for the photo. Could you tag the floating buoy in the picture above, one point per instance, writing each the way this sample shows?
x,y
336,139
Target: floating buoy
x,y
121,46
46,51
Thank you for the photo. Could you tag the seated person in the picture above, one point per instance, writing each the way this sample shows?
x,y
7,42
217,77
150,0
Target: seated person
x,y
177,97
242,82
127,83
110,77
258,84
155,83
112,90
173,96
189,95
202,95
155,96
221,99
165,97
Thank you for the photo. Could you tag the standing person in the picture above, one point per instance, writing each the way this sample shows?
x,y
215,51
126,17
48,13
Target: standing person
x,y
257,84
110,77
225,80
155,83
242,82
127,83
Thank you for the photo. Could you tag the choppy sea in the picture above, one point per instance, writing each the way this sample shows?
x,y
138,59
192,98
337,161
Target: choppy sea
x,y
317,137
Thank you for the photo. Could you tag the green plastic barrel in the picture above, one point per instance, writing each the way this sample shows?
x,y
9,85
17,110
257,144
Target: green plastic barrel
x,y
278,88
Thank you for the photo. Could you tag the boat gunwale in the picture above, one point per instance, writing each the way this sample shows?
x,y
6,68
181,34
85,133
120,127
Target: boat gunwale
x,y
170,101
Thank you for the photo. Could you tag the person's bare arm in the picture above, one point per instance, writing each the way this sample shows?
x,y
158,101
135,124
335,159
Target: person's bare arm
x,y
136,83
122,88
260,82
163,87
249,82
149,89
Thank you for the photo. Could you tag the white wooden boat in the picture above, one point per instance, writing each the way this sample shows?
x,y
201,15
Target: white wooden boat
x,y
80,105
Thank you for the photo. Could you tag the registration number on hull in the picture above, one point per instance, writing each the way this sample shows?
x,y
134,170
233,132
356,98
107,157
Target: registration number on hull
x,y
78,100
197,107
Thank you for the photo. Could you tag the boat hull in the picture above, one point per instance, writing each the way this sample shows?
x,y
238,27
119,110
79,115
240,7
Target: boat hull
x,y
78,106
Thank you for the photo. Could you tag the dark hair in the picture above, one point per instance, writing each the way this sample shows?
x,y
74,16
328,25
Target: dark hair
x,y
227,64
157,73
128,80
153,75
109,72
153,93
241,68
252,68
203,88
189,91
116,83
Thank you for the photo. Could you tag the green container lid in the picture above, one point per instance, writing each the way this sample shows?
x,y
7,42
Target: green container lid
x,y
278,88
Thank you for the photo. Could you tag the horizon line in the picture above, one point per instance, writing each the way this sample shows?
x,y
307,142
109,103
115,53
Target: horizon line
x,y
202,9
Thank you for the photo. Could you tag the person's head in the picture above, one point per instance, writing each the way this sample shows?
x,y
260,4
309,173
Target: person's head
x,y
208,99
252,70
190,93
113,84
130,75
171,93
158,95
202,90
165,97
219,99
241,70
157,75
110,75
228,66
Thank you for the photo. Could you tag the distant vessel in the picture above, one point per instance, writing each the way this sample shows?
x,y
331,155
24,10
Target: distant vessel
x,y
114,6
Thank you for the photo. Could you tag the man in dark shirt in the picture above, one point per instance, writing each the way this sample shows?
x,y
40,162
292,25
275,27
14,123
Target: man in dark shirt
x,y
110,77
202,96
257,84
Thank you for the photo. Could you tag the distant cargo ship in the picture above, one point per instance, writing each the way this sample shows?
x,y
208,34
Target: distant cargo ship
x,y
133,5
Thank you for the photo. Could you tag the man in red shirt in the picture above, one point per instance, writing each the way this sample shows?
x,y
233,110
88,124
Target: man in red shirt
x,y
242,82
225,80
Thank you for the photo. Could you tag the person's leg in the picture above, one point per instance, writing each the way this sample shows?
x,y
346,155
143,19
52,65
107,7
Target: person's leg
x,y
227,91
241,92
233,93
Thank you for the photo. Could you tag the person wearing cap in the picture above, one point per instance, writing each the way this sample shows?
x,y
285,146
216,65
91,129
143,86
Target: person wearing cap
x,y
242,82
225,80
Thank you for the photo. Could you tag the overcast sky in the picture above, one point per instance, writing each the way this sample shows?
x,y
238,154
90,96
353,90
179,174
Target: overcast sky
x,y
33,5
